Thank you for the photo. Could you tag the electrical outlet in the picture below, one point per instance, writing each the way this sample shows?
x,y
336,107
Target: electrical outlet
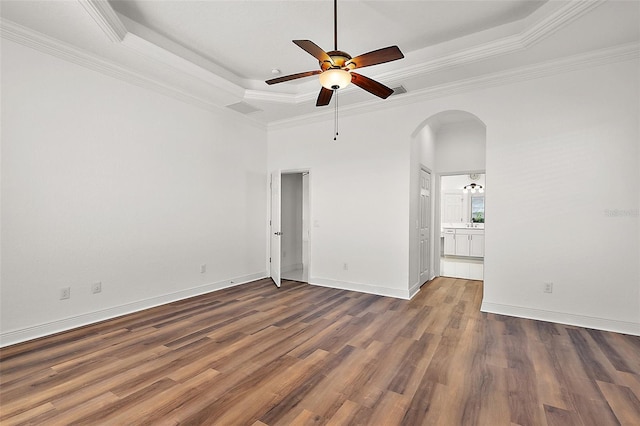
x,y
203,268
96,287
65,293
548,288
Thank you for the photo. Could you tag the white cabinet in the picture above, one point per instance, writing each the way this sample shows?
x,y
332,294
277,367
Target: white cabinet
x,y
476,245
449,242
464,242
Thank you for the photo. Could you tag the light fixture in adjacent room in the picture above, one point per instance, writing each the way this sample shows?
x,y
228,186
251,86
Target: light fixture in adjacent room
x,y
473,188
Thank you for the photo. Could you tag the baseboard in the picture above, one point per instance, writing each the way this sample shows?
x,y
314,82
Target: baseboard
x,y
605,324
414,289
57,326
362,288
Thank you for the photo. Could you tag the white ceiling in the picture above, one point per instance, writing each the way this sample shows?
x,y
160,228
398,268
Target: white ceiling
x,y
218,53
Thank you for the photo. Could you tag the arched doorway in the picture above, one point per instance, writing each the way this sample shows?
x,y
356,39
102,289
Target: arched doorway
x,y
448,143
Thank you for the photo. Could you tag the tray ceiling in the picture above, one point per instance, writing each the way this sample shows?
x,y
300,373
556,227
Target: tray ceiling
x,y
218,53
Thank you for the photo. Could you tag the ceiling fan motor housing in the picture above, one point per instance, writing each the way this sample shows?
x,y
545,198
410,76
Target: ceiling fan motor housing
x,y
339,59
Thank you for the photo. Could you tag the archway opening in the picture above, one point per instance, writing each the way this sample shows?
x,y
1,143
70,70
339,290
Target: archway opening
x,y
449,143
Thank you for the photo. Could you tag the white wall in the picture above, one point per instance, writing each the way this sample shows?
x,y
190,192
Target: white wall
x,y
557,162
291,222
561,155
423,155
359,200
106,181
460,147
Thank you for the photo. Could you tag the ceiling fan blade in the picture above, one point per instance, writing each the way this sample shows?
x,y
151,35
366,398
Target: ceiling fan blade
x,y
371,86
375,57
313,49
292,77
324,97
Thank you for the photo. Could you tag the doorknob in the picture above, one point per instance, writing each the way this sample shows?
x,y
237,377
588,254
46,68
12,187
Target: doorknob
x,y
277,233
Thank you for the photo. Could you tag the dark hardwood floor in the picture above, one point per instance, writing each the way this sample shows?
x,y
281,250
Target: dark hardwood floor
x,y
257,355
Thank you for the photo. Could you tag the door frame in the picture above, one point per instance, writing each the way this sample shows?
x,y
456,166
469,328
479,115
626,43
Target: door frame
x,y
310,215
431,271
437,248
275,228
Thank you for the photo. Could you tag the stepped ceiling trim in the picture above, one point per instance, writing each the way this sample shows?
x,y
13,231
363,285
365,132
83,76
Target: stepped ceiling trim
x,y
109,21
45,44
606,56
106,18
537,32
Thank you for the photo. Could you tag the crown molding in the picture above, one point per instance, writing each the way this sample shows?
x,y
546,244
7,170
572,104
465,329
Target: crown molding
x,y
535,33
27,37
106,18
125,32
621,53
111,23
137,38
158,54
566,14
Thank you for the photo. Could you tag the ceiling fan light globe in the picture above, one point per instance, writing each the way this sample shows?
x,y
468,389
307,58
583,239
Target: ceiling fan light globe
x,y
334,79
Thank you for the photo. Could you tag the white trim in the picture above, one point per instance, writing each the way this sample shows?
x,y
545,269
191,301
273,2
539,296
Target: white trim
x,y
22,35
106,18
361,288
54,47
510,44
155,52
414,289
65,324
606,324
607,56
502,46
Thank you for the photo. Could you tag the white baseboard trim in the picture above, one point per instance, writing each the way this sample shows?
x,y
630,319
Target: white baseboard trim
x,y
624,327
414,289
362,288
65,324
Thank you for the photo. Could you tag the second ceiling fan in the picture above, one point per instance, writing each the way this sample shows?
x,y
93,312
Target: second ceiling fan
x,y
336,67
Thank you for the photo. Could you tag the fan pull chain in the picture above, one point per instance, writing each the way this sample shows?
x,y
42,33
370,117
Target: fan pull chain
x,y
335,118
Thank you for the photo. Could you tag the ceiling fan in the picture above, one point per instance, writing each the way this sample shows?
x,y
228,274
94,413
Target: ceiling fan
x,y
336,67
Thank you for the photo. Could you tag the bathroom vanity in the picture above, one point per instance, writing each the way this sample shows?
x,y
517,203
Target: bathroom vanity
x,y
465,240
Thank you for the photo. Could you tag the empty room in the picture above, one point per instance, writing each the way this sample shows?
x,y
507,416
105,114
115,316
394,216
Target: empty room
x,y
320,212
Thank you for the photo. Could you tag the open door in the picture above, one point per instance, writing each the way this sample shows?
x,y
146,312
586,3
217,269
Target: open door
x,y
274,265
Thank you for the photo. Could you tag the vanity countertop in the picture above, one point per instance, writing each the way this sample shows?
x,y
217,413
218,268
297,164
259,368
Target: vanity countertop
x,y
463,226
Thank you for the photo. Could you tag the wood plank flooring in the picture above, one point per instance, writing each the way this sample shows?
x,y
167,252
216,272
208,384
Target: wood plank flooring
x,y
258,355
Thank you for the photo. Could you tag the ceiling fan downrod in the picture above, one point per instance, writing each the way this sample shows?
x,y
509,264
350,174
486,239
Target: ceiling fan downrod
x,y
335,24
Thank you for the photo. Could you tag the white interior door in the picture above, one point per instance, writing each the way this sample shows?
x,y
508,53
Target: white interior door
x,y
425,225
276,232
